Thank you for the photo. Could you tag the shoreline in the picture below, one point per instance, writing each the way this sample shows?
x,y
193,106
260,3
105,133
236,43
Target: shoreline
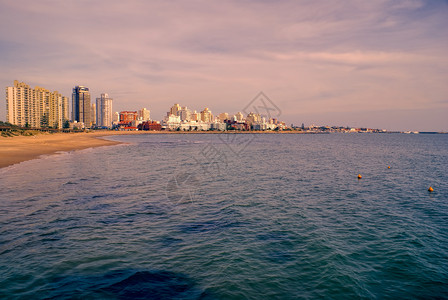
x,y
14,150
17,149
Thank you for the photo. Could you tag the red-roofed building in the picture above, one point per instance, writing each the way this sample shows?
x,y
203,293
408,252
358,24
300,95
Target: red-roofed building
x,y
150,125
128,120
128,116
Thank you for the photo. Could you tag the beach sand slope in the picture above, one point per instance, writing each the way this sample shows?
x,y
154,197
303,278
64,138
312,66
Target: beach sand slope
x,y
21,148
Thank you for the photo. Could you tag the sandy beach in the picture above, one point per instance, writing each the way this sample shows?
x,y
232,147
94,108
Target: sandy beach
x,y
17,149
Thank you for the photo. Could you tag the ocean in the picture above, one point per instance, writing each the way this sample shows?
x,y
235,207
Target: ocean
x,y
230,216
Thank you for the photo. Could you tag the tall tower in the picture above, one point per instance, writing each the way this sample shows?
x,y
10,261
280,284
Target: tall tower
x,y
65,110
81,105
104,114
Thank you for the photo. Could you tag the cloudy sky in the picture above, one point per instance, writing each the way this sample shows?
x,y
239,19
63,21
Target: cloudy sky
x,y
379,63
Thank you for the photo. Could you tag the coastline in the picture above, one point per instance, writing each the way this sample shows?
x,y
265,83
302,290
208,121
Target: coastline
x,y
14,150
17,149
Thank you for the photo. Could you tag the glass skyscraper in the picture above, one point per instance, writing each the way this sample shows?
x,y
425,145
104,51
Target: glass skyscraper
x,y
81,105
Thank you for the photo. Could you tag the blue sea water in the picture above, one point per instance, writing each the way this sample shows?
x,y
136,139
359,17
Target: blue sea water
x,y
229,216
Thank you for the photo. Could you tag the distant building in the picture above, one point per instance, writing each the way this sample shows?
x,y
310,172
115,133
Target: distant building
x,y
171,122
76,126
235,125
93,114
144,114
36,107
81,105
116,118
21,107
128,116
223,116
195,116
104,114
260,126
239,117
203,126
220,126
206,115
150,125
53,108
128,120
184,114
253,118
174,109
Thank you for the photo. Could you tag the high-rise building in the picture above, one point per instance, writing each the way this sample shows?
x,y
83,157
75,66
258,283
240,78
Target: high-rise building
x,y
195,116
104,116
253,118
36,107
174,109
65,111
42,99
223,116
144,114
53,108
93,114
21,106
239,117
184,114
57,110
206,115
81,105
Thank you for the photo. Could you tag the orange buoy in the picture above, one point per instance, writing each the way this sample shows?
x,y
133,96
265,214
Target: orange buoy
x,y
388,167
430,189
359,176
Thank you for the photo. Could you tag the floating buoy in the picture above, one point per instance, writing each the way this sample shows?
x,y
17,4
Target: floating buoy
x,y
430,189
388,167
359,176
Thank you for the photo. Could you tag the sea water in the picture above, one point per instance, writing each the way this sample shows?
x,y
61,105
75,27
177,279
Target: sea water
x,y
229,216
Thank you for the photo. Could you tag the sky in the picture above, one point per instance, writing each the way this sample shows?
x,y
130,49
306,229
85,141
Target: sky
x,y
378,64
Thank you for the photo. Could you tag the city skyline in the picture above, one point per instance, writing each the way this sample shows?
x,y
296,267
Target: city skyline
x,y
380,64
40,108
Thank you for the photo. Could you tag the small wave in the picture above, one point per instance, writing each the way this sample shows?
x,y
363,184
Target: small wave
x,y
124,284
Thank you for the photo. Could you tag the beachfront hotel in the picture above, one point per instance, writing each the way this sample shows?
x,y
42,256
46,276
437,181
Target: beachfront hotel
x,y
81,106
36,108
